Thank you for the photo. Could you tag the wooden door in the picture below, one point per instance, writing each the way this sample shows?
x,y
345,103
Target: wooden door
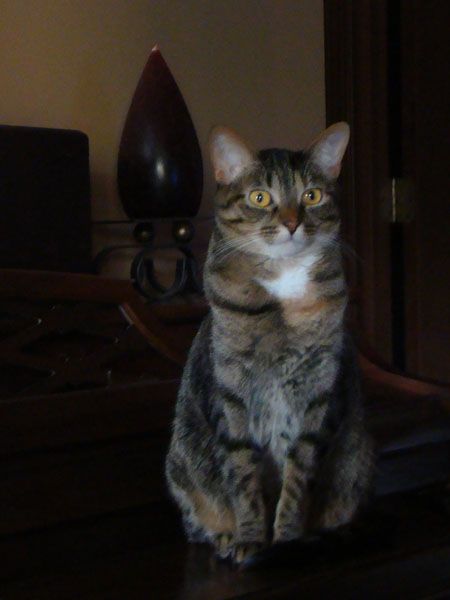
x,y
425,136
387,74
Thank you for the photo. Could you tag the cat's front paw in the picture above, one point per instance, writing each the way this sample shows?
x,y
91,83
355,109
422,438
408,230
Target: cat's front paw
x,y
287,533
224,545
245,552
337,516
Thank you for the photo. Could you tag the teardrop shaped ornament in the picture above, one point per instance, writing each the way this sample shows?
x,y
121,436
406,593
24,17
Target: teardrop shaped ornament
x,y
159,171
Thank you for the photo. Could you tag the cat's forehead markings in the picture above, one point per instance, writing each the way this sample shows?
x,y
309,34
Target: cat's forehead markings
x,y
287,177
299,184
287,183
272,181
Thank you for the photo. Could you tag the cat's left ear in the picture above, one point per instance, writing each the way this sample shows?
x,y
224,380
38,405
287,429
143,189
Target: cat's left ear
x,y
328,149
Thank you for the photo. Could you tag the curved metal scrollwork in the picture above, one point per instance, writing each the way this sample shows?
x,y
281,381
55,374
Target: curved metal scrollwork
x,y
142,272
144,278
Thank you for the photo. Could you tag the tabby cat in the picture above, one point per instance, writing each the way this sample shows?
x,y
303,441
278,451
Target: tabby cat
x,y
268,440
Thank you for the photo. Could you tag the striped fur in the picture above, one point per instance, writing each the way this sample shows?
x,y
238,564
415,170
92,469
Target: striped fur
x,y
268,439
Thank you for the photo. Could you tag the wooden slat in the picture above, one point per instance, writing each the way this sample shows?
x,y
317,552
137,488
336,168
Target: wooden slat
x,y
159,337
95,452
42,489
43,285
50,487
15,283
389,382
34,422
81,417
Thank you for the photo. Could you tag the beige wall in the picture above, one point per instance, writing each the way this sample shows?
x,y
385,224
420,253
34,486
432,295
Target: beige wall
x,y
256,65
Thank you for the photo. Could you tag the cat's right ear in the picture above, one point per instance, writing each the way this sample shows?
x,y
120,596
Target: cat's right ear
x,y
230,155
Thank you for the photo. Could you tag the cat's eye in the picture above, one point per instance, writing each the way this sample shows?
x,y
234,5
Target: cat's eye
x,y
260,198
312,196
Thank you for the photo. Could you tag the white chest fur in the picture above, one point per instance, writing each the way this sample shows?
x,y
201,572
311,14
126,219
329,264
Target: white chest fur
x,y
292,281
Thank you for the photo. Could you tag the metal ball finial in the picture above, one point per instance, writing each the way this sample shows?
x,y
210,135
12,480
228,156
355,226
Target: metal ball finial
x,y
144,232
182,231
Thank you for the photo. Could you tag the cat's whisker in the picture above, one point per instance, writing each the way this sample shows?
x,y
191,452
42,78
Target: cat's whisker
x,y
235,245
346,249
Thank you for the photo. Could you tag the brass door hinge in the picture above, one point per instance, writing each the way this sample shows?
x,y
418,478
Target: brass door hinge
x,y
402,200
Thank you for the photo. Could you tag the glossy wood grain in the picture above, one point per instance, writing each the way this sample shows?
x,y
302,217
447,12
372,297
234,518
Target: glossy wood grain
x,y
403,553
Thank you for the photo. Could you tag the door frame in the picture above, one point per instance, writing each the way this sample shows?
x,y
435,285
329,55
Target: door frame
x,y
357,91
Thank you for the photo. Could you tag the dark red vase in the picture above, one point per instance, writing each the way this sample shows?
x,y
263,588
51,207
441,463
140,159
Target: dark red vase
x,y
159,171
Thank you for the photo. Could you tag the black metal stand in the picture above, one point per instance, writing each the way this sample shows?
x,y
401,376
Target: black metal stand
x,y
145,281
142,271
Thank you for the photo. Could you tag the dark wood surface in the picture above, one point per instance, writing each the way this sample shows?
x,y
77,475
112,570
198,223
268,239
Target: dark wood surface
x,y
84,511
60,333
403,552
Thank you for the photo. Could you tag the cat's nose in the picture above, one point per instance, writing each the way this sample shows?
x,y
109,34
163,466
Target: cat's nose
x,y
291,225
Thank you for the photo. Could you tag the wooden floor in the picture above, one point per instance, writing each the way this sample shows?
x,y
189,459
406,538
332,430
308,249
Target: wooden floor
x,y
400,550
